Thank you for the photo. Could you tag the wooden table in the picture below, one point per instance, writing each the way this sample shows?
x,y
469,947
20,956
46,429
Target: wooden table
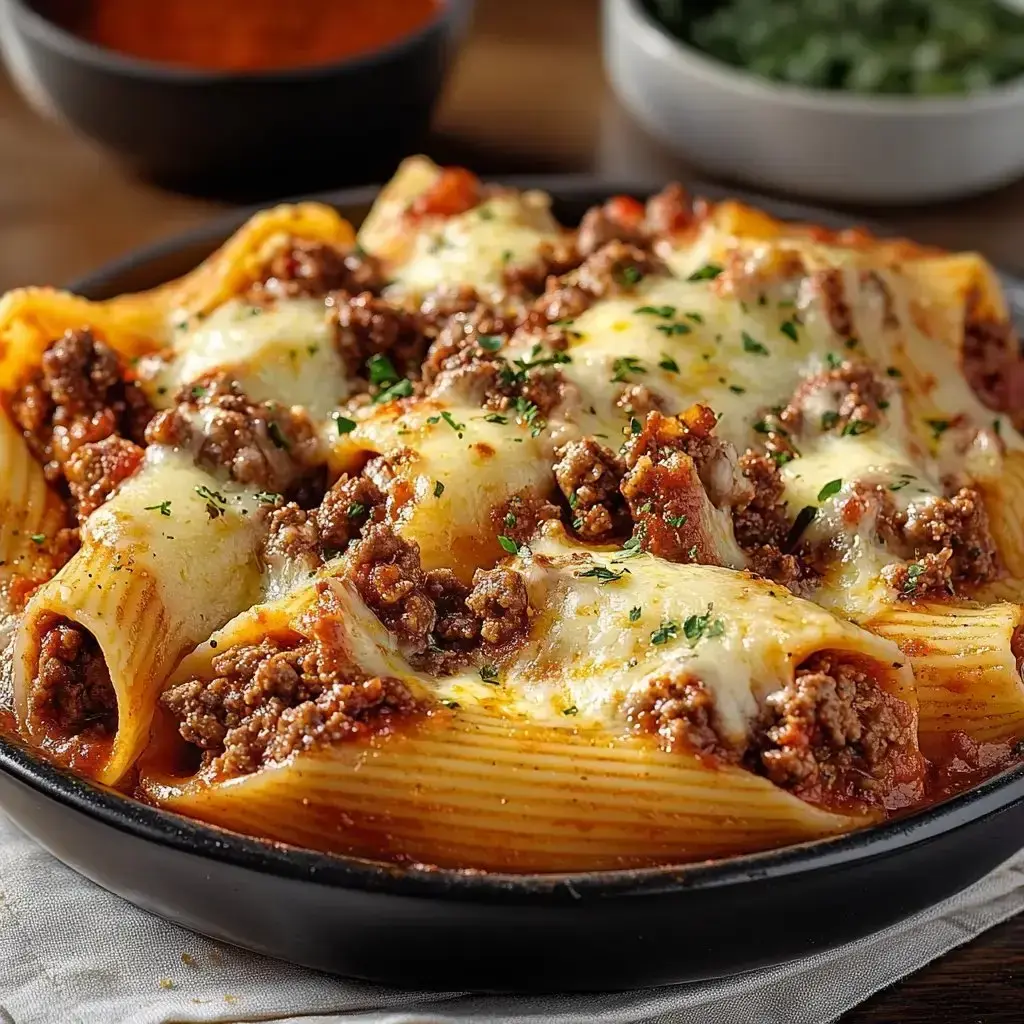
x,y
528,95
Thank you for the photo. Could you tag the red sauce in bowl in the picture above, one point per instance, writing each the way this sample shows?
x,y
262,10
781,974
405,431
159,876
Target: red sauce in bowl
x,y
241,35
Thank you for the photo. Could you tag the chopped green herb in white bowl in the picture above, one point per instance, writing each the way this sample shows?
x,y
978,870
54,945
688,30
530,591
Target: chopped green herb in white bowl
x,y
857,100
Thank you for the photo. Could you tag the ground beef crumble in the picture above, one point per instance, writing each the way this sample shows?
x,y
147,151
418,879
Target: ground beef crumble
x,y
81,395
262,444
680,710
73,693
848,399
96,470
832,734
365,325
992,362
307,268
271,700
588,475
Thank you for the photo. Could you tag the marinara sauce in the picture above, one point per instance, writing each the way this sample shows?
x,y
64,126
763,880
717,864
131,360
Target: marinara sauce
x,y
241,35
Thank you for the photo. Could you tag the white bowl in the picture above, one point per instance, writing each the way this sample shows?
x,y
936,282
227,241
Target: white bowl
x,y
878,149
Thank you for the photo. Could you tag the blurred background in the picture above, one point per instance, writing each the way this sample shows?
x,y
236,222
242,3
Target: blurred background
x,y
123,121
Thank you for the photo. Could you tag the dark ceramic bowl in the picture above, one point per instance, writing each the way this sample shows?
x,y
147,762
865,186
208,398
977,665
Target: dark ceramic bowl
x,y
280,131
439,929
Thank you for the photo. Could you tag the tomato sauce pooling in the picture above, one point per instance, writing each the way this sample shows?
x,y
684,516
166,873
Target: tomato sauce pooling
x,y
241,35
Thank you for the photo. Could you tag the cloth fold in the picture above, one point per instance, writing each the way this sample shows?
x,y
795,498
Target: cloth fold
x,y
71,953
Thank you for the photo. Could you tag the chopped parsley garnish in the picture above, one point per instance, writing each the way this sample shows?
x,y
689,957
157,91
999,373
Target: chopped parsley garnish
x,y
630,275
496,417
164,508
857,427
763,427
695,317
489,342
603,575
829,419
485,213
914,573
453,423
400,389
675,521
312,349
692,553
782,458
264,498
668,630
506,256
633,546
216,503
635,426
905,480
277,435
438,488
939,427
357,508
997,427
343,424
38,538
706,273
673,329
570,710
508,544
851,343
833,361
804,518
737,390
665,312
381,370
788,328
529,414
449,703
489,674
634,613
831,488
626,365
753,345
510,520
893,371
198,391
701,627
555,359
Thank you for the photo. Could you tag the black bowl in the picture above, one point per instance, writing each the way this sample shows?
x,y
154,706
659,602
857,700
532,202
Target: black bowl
x,y
439,929
259,133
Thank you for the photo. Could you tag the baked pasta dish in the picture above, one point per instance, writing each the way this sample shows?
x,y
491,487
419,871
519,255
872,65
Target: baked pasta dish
x,y
477,541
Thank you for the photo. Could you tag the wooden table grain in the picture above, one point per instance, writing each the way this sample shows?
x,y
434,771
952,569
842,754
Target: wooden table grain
x,y
527,94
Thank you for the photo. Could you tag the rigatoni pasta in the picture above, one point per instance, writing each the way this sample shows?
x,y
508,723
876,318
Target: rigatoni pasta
x,y
480,541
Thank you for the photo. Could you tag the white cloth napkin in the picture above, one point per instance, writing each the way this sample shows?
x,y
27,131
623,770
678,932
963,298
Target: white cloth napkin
x,y
71,953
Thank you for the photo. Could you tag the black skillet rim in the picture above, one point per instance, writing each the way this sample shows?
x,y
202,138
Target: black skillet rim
x,y
167,829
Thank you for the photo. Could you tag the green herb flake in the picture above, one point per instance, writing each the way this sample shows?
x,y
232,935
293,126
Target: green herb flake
x,y
265,498
706,273
695,317
343,424
400,389
675,521
624,366
164,508
570,711
635,426
381,370
510,520
892,371
667,631
672,330
939,427
665,312
833,361
753,346
438,488
788,328
668,364
496,417
357,508
833,487
489,674
737,390
508,544
634,613
829,419
702,627
854,428
38,538
277,435
603,575
914,574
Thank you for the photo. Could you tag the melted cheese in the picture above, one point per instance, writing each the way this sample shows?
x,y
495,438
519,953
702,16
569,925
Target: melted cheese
x,y
284,353
206,565
455,470
593,643
474,248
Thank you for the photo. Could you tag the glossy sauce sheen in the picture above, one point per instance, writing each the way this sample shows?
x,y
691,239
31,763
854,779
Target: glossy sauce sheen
x,y
241,35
